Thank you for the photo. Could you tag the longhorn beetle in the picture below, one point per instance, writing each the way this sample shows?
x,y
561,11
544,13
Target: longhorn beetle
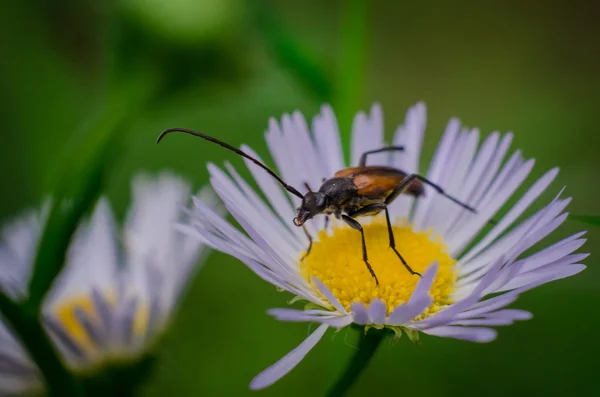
x,y
349,194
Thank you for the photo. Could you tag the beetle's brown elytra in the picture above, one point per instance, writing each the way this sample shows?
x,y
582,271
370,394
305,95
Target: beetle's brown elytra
x,y
351,193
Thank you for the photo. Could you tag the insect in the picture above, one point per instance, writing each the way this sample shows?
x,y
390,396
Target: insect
x,y
351,193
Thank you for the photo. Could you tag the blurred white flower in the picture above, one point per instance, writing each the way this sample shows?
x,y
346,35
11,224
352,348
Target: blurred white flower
x,y
466,283
118,289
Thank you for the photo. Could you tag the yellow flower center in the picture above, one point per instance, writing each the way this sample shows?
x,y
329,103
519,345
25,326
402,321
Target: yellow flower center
x,y
66,315
336,260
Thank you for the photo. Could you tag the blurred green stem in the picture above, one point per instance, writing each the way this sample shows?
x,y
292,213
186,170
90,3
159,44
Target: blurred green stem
x,y
593,220
290,51
349,90
368,344
59,381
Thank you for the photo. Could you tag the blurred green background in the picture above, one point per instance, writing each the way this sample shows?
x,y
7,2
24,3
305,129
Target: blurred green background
x,y
225,66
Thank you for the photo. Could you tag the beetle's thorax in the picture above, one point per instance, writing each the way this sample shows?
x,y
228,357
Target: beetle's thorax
x,y
338,191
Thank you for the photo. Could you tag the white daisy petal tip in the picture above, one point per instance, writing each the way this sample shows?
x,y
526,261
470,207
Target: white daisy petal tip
x,y
288,362
471,334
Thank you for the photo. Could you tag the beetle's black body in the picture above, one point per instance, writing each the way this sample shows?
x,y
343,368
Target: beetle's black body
x,y
351,193
354,188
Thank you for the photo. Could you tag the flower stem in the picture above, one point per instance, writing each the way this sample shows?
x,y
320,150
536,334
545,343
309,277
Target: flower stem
x,y
367,347
36,342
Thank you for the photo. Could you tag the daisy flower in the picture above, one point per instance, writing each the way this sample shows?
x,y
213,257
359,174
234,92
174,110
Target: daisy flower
x,y
466,282
118,289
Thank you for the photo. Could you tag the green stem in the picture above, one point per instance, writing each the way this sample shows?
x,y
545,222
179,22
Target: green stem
x,y
350,86
291,53
367,347
589,219
34,339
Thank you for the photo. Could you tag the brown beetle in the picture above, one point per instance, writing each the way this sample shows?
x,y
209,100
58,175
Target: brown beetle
x,y
351,193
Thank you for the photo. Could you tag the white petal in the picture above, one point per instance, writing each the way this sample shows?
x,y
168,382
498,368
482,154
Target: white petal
x,y
367,134
293,239
271,188
484,170
18,247
436,169
254,211
329,295
446,315
303,143
320,316
149,237
288,362
444,212
92,257
558,250
264,270
532,194
472,334
285,269
271,243
234,243
501,190
562,268
327,137
226,232
511,239
498,318
410,135
278,147
515,267
490,173
361,316
377,312
419,300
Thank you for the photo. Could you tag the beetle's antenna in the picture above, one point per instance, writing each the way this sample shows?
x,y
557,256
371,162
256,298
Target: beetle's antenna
x,y
287,187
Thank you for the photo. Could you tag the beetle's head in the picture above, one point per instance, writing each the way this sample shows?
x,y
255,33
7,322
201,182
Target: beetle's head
x,y
313,203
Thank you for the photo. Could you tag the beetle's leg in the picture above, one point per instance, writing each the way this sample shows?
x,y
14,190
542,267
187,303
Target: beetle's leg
x,y
353,223
393,243
406,182
326,221
310,243
363,157
377,207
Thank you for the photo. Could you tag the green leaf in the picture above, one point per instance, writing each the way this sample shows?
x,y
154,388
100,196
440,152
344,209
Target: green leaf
x,y
292,53
593,220
350,85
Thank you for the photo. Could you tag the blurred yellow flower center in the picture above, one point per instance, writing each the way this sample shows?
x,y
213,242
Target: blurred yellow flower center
x,y
67,317
336,260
